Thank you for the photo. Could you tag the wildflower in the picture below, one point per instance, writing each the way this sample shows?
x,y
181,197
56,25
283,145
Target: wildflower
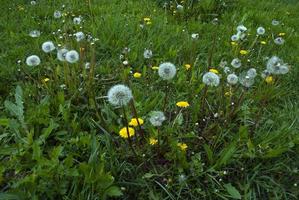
x,y
182,104
126,132
276,66
147,54
33,60
194,36
134,122
246,80
147,20
263,42
243,52
260,31
227,70
79,36
215,71
187,66
211,79
72,56
137,75
180,7
167,70
155,67
61,53
153,141
34,33
232,79
281,34
275,22
252,73
182,146
119,95
45,80
223,63
57,14
236,63
157,118
269,79
77,20
228,94
241,28
279,41
48,46
234,43
235,38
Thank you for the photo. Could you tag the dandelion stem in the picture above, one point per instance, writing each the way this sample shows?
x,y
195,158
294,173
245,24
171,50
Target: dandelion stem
x,y
128,134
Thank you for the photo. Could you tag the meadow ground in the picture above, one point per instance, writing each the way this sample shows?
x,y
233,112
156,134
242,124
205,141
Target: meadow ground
x,y
149,99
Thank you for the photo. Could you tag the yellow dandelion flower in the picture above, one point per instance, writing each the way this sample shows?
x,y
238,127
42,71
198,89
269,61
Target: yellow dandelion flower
x,y
148,23
244,52
282,34
263,42
187,66
153,141
215,71
146,19
269,79
182,104
155,68
137,75
183,146
124,134
45,80
234,43
228,94
134,122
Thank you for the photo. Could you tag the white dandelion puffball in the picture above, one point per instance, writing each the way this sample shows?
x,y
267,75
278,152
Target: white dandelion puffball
x,y
34,33
147,54
227,70
157,118
72,56
211,79
236,63
275,22
167,70
61,53
251,73
265,73
194,36
77,20
235,38
274,64
33,60
245,80
260,30
284,69
119,95
232,79
57,14
48,46
79,36
279,41
180,7
241,28
241,35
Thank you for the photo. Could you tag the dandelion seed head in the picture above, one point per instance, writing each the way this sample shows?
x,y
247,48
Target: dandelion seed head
x,y
72,56
147,54
232,79
77,20
235,38
167,71
279,41
48,46
241,28
260,30
252,73
245,80
236,63
57,14
34,33
33,60
275,22
211,79
61,53
119,95
157,118
274,64
79,36
194,36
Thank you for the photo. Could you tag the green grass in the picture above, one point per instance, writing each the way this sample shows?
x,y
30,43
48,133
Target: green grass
x,y
63,143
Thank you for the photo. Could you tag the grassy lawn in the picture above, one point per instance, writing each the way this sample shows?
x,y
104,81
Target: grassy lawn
x,y
149,99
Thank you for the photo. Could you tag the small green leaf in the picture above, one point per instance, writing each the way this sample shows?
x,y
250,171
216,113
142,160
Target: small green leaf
x,y
233,192
113,191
